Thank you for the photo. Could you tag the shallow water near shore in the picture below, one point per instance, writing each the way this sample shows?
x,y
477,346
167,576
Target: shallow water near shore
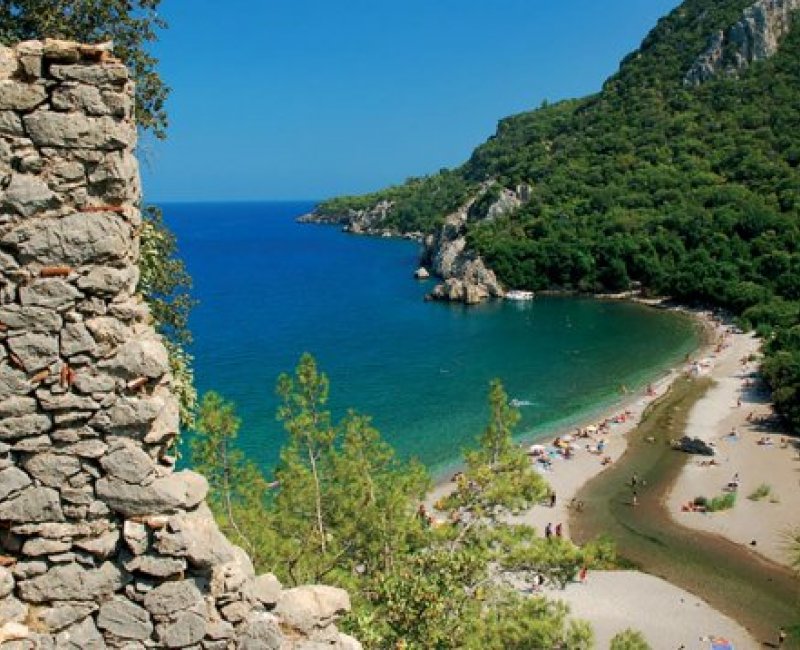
x,y
271,289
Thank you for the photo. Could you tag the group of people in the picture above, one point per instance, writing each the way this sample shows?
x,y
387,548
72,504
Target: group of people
x,y
549,531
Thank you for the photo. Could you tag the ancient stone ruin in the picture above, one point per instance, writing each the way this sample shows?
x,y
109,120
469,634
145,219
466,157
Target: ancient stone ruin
x,y
102,542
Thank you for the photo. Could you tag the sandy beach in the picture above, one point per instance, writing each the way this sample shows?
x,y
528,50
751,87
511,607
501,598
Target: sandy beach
x,y
614,600
669,617
731,418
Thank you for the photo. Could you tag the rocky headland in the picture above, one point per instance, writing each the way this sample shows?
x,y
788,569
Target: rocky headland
x,y
444,254
102,542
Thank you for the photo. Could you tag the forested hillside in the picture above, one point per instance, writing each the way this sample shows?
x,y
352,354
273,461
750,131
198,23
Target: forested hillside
x,y
693,191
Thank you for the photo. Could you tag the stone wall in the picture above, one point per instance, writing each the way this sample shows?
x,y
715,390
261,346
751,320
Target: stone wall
x,y
102,542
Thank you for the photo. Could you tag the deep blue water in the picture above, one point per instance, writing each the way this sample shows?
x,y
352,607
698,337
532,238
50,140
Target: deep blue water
x,y
270,289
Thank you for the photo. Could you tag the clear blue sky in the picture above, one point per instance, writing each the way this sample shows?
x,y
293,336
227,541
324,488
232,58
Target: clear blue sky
x,y
292,99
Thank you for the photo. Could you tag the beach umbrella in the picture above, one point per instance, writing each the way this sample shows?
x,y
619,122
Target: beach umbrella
x,y
718,643
591,429
567,438
536,449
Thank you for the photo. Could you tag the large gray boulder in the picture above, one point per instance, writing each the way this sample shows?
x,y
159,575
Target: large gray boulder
x,y
72,582
172,597
195,536
27,194
62,615
34,504
70,130
51,469
179,491
82,636
183,629
129,463
125,619
312,607
35,351
12,480
169,494
75,239
24,426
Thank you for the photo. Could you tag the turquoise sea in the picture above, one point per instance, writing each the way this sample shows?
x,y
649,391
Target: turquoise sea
x,y
270,289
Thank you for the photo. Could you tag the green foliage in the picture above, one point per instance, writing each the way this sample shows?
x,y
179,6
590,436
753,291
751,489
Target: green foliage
x,y
519,623
629,640
132,25
237,489
723,502
692,192
345,502
165,284
761,492
344,511
419,205
498,475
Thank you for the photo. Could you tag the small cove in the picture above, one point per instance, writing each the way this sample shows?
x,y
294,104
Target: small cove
x,y
270,289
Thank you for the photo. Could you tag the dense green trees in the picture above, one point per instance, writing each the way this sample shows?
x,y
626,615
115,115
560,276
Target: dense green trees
x,y
345,510
629,640
692,192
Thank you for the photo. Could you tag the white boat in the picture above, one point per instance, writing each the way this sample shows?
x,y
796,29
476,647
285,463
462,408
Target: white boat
x,y
519,294
517,403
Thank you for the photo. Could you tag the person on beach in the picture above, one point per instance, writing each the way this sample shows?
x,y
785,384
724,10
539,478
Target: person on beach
x,y
558,530
635,498
538,581
582,575
548,531
423,515
634,480
781,636
553,499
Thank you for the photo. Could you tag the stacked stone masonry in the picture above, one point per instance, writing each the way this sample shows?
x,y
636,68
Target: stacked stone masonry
x,y
102,542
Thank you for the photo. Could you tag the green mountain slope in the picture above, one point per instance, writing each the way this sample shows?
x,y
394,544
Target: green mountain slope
x,y
690,191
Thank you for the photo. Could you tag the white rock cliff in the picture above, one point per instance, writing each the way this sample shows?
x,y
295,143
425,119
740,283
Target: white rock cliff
x,y
754,37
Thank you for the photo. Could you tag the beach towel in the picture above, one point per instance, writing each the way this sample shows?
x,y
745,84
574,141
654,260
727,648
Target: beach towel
x,y
721,644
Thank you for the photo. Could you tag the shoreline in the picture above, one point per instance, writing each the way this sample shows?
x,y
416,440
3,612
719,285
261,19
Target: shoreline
x,y
627,588
634,404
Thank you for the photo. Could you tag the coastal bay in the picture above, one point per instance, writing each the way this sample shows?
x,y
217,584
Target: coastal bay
x,y
420,369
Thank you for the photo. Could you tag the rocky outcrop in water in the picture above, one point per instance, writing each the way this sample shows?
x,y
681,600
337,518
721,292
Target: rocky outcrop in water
x,y
466,277
102,543
755,37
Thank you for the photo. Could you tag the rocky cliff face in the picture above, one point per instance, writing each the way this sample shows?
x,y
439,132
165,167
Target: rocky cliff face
x,y
756,36
369,221
102,543
466,277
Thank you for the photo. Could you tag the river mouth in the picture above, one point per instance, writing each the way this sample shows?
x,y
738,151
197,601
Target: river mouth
x,y
760,594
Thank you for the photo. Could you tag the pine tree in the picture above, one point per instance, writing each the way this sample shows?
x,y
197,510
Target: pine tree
x,y
498,475
237,488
